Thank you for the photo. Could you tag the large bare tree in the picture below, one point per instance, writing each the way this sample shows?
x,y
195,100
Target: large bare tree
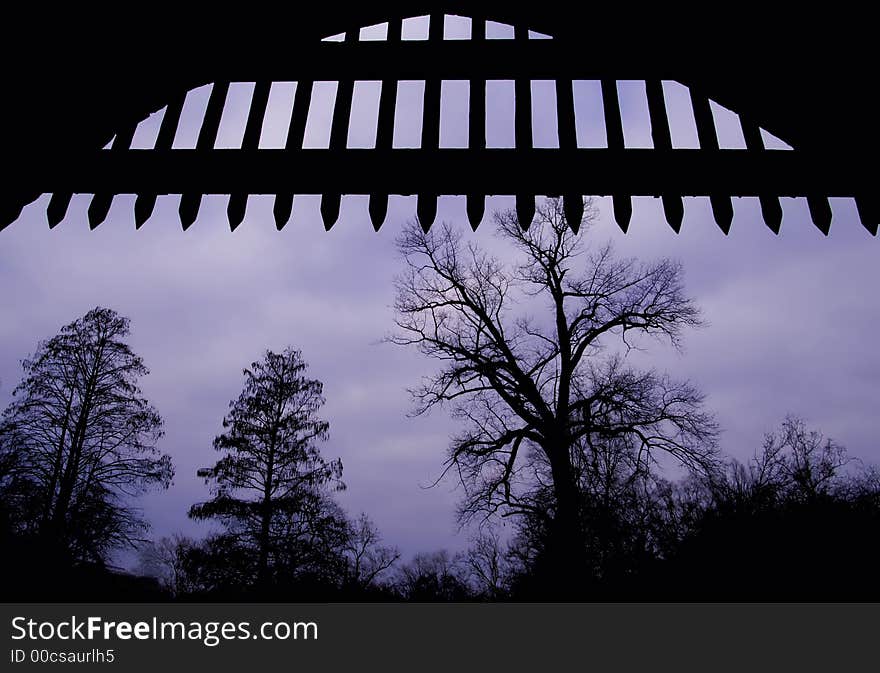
x,y
529,366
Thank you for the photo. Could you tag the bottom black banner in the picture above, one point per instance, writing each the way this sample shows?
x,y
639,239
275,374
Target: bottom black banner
x,y
232,637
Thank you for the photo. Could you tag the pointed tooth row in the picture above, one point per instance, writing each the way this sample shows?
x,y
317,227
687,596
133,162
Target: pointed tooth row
x,y
673,208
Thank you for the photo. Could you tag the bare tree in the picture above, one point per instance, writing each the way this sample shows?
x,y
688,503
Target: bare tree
x,y
166,560
798,521
488,564
433,577
524,362
795,464
85,438
367,558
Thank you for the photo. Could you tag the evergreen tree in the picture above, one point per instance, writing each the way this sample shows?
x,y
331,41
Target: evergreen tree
x,y
271,486
81,439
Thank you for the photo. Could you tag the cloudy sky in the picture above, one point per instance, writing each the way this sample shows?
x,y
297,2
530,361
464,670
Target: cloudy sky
x,y
792,320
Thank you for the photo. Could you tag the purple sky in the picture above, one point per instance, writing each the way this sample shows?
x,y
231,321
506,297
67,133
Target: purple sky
x,y
791,324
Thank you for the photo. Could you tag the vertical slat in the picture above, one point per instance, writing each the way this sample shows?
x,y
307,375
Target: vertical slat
x,y
296,133
722,208
525,203
145,203
378,207
331,201
190,202
660,134
426,206
237,207
771,209
565,117
254,127
302,100
476,203
101,202
622,203
572,204
673,207
869,212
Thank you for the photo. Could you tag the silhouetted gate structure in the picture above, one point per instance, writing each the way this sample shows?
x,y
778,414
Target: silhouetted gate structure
x,y
430,170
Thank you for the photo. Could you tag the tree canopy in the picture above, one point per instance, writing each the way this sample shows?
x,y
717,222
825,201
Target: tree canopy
x,y
271,485
526,363
81,439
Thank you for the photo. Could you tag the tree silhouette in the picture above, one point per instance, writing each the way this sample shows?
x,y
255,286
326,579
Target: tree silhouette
x,y
367,558
523,380
490,566
84,440
798,521
167,559
270,487
622,503
433,577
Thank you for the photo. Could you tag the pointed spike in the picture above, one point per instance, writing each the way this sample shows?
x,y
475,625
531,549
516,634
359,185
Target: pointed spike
x,y
143,208
57,208
476,207
189,209
98,209
673,208
282,209
330,209
820,212
573,209
378,209
623,210
722,209
525,210
236,209
771,209
868,213
426,210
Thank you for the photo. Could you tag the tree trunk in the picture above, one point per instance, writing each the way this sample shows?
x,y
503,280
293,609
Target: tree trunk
x,y
70,474
265,529
77,442
57,463
566,547
266,522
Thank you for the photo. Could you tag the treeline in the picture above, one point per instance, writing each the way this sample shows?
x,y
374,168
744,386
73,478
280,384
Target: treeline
x,y
800,520
79,442
558,436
